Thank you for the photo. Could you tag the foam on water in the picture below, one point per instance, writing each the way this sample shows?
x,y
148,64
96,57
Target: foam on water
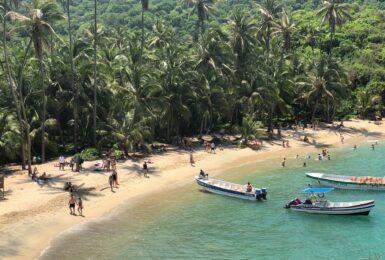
x,y
189,224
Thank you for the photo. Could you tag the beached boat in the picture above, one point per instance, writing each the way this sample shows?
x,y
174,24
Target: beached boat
x,y
231,189
317,204
349,182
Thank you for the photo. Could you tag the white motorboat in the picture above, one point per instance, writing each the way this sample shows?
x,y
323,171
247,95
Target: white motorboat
x,y
317,204
349,182
231,189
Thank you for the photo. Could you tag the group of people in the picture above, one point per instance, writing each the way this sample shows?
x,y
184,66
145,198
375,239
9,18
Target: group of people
x,y
68,186
73,201
285,144
109,163
210,147
63,163
35,177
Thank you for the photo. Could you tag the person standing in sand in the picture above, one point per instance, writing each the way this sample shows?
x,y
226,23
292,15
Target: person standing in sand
x,y
62,162
342,139
145,169
71,203
284,162
80,206
111,182
192,162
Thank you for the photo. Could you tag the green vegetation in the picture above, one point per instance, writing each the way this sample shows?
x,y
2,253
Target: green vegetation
x,y
119,74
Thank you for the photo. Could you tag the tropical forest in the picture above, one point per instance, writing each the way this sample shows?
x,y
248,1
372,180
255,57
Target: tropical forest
x,y
122,74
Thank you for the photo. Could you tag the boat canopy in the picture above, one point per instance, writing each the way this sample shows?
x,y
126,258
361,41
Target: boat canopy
x,y
318,190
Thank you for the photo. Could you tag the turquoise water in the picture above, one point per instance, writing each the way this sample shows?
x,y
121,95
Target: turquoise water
x,y
190,224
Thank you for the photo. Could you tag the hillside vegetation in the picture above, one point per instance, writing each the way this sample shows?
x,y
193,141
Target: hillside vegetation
x,y
194,67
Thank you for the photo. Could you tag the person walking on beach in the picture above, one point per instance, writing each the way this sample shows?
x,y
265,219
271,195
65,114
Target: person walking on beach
x,y
212,147
192,162
342,139
71,203
284,162
80,206
111,182
62,162
115,178
72,164
145,169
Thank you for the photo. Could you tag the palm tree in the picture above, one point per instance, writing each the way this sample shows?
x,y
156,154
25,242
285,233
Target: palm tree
x,y
335,13
284,27
144,8
243,30
66,7
12,84
37,26
269,11
202,9
323,81
95,71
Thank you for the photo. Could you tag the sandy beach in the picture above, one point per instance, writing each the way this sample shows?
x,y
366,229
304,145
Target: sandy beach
x,y
32,215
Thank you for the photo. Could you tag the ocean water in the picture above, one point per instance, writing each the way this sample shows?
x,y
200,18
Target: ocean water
x,y
187,223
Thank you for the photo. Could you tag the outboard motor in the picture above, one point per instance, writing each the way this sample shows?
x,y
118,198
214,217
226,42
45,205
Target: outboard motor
x,y
287,206
264,193
258,194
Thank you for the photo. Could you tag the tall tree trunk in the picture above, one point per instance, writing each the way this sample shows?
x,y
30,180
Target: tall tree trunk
x,y
95,72
22,106
72,81
331,42
328,111
142,42
202,121
43,119
314,110
11,83
270,120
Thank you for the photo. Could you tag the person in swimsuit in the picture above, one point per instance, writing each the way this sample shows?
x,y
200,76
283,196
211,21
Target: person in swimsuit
x,y
249,187
80,206
145,169
115,178
34,174
72,202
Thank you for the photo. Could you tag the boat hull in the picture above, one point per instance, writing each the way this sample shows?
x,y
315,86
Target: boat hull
x,y
225,192
343,183
362,209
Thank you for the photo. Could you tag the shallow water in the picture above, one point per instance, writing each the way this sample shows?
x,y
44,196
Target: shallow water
x,y
191,224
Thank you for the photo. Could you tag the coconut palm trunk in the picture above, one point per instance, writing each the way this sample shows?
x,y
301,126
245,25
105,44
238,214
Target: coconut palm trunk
x,y
12,88
22,107
44,113
72,80
95,72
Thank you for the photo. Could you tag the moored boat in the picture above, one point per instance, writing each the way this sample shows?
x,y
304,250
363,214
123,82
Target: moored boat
x,y
231,189
316,203
349,182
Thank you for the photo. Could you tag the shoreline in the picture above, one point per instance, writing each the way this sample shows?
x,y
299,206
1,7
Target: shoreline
x,y
169,169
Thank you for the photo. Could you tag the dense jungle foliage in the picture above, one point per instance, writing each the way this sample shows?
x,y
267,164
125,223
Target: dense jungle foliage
x,y
143,71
